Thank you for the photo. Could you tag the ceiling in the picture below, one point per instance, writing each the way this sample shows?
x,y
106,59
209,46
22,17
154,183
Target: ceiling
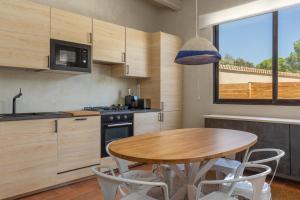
x,y
171,4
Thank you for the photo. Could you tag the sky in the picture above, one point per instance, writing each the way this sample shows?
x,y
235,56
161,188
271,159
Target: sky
x,y
251,38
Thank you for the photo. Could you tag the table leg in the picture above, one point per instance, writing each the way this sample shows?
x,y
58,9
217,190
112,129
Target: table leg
x,y
191,176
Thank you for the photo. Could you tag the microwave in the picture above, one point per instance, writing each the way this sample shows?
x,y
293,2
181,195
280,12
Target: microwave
x,y
68,56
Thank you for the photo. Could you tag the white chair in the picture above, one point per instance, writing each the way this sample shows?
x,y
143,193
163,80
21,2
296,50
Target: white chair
x,y
110,184
141,175
256,182
244,188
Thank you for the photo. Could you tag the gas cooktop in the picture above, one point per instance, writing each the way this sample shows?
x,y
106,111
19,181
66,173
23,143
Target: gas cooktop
x,y
110,109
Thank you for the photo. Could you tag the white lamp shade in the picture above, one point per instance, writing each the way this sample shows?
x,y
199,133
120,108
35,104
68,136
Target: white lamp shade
x,y
197,51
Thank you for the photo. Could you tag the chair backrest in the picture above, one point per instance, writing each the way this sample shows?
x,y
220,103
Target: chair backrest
x,y
122,164
109,184
256,180
279,154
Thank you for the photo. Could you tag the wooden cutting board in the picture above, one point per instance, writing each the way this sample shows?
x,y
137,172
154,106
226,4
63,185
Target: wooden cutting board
x,y
80,113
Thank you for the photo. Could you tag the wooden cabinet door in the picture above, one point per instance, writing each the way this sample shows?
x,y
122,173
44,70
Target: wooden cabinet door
x,y
137,53
108,42
24,34
78,143
171,73
28,152
270,135
71,27
146,123
295,150
171,120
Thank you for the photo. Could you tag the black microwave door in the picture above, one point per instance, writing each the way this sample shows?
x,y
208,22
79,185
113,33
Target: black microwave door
x,y
70,56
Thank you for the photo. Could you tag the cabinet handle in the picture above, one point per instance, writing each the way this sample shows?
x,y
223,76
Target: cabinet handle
x,y
127,69
162,105
159,117
162,117
48,57
56,126
123,57
90,36
80,119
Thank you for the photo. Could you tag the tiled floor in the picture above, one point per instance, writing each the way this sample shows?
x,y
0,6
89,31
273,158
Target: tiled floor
x,y
89,190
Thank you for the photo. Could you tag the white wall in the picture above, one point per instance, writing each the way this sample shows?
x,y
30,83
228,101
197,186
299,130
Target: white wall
x,y
198,81
53,92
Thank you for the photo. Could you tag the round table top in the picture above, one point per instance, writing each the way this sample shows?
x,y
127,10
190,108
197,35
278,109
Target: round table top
x,y
182,145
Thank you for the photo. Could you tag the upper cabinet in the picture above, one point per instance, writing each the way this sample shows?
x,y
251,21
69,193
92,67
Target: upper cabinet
x,y
108,42
71,27
24,34
137,57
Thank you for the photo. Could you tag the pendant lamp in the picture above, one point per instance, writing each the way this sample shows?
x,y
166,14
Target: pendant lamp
x,y
197,51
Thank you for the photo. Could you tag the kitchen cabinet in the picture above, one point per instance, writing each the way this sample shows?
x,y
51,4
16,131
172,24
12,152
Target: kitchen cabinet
x,y
24,35
164,87
137,55
78,143
28,152
270,135
71,27
295,151
108,42
146,122
171,120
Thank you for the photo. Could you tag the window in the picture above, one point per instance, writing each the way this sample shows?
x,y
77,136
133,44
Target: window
x,y
260,59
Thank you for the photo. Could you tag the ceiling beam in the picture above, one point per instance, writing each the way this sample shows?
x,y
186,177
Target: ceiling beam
x,y
172,4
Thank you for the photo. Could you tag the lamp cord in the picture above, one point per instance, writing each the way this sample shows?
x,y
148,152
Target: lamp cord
x,y
196,18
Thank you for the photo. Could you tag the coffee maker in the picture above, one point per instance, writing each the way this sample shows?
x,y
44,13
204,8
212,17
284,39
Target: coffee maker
x,y
131,100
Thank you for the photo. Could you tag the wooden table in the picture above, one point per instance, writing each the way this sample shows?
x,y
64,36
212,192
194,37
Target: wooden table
x,y
196,148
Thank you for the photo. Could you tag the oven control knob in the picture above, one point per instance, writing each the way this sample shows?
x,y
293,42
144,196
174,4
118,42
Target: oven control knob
x,y
125,117
118,117
111,118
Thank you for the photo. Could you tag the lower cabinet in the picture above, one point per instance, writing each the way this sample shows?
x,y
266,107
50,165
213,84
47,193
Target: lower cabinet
x,y
171,120
295,151
270,135
78,143
36,154
146,122
28,154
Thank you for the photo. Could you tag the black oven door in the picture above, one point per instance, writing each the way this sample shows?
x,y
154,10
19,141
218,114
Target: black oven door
x,y
70,56
114,131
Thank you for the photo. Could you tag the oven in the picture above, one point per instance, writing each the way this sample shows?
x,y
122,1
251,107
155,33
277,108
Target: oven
x,y
115,127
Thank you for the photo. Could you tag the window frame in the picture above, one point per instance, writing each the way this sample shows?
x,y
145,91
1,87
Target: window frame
x,y
274,100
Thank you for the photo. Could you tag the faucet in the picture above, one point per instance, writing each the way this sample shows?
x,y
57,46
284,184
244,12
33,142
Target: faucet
x,y
14,101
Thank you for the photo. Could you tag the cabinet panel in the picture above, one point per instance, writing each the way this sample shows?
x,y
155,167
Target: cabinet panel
x,y
108,42
146,123
171,73
71,27
78,143
295,151
24,34
270,135
28,152
138,53
171,120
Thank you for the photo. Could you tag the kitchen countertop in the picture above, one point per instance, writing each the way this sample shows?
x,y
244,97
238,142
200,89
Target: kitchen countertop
x,y
67,114
41,115
256,119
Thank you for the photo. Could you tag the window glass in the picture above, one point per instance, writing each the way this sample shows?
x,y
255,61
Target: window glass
x,y
245,71
289,53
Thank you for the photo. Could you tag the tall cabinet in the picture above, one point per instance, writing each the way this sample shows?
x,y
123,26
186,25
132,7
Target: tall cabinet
x,y
164,88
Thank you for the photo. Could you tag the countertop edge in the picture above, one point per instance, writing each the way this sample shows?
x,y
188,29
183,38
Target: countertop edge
x,y
254,118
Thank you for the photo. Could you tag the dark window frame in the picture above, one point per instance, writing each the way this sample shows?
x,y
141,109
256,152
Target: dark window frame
x,y
274,100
